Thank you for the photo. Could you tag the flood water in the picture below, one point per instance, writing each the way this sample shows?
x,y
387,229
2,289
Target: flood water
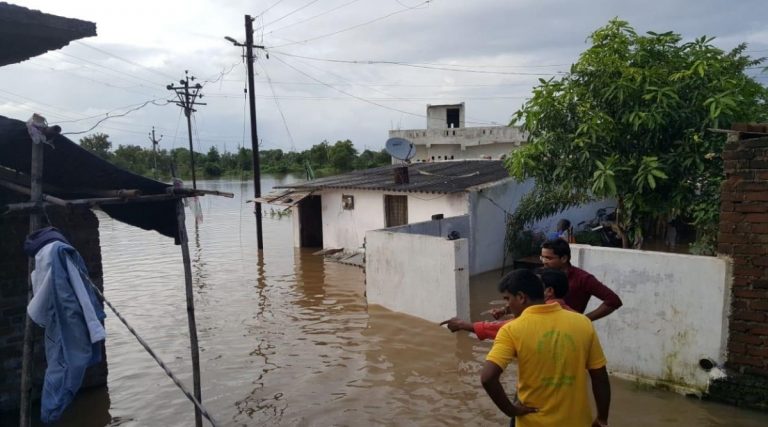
x,y
288,339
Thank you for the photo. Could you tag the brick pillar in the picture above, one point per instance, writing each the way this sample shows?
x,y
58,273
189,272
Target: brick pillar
x,y
744,237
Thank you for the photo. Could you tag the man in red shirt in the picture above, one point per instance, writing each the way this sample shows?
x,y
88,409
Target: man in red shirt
x,y
582,285
555,289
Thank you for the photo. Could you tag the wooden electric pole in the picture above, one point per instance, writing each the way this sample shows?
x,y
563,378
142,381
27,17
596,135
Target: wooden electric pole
x,y
249,46
154,148
187,95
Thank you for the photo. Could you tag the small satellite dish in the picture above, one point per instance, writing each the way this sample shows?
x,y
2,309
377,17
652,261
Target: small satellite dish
x,y
400,148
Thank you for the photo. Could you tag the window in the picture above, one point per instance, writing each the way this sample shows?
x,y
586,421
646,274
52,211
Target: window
x,y
395,210
347,202
452,117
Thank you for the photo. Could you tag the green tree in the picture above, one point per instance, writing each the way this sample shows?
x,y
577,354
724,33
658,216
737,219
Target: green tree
x,y
319,155
342,155
629,122
98,144
213,163
133,158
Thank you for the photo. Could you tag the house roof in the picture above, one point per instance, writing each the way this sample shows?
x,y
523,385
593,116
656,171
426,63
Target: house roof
x,y
72,172
435,177
25,33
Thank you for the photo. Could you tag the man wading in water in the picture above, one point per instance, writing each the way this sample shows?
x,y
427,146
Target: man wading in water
x,y
555,350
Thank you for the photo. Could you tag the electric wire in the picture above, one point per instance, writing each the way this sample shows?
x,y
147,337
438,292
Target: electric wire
x,y
415,65
311,2
279,108
349,28
81,43
312,17
153,102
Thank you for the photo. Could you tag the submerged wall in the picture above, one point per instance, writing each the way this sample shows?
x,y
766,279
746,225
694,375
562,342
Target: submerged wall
x,y
420,275
81,227
675,313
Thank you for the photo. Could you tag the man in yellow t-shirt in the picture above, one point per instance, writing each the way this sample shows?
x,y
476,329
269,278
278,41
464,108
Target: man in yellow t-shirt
x,y
555,349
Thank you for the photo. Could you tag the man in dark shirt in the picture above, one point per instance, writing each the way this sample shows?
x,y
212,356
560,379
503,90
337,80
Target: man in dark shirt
x,y
582,285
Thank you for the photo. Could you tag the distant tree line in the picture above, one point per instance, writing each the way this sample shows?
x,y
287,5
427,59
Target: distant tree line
x,y
323,159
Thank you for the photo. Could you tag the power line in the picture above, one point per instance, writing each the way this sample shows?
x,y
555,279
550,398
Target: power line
x,y
347,93
153,102
350,28
277,102
413,65
124,60
109,68
270,7
287,15
313,17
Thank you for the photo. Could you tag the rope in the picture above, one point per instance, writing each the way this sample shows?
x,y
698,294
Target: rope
x,y
157,359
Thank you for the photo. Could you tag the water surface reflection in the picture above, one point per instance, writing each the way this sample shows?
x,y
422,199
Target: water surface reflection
x,y
287,338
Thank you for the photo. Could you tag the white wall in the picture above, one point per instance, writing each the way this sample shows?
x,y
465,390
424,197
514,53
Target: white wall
x,y
419,275
488,220
346,228
675,312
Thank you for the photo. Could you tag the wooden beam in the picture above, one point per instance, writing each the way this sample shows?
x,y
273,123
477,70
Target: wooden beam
x,y
190,310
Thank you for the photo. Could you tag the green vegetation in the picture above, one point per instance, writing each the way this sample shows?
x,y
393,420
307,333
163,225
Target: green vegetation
x,y
323,158
630,122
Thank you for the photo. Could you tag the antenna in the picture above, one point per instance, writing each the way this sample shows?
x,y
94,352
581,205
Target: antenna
x,y
400,148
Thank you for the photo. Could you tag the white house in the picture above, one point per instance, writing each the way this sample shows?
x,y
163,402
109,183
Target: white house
x,y
447,138
336,212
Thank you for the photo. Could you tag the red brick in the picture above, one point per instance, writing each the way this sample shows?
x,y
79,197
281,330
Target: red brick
x,y
743,327
730,238
758,351
750,293
761,175
759,305
752,186
738,304
757,163
748,249
753,316
754,196
747,271
760,228
749,361
762,261
750,207
760,330
732,217
737,348
760,284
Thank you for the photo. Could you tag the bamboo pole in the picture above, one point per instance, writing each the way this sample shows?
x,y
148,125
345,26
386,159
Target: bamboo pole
x,y
190,310
36,196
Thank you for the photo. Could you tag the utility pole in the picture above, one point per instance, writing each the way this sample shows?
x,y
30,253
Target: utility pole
x,y
154,148
249,46
187,95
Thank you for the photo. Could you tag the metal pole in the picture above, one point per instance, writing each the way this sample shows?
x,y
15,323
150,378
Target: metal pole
x,y
254,134
188,113
36,196
190,310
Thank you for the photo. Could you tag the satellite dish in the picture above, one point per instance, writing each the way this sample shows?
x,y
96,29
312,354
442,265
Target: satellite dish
x,y
400,148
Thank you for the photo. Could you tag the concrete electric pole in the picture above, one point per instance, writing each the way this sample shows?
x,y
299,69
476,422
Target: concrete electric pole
x,y
187,95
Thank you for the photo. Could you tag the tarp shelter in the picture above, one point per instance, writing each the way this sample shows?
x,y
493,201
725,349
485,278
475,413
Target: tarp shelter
x,y
25,33
72,172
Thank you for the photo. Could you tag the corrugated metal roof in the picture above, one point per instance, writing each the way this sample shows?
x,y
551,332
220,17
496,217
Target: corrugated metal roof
x,y
436,177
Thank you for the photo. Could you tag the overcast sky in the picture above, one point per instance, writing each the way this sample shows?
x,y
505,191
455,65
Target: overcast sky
x,y
486,53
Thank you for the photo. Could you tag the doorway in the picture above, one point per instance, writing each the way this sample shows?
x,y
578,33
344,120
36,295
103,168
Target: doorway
x,y
311,222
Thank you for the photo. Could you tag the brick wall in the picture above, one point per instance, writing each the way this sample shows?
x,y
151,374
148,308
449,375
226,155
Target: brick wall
x,y
81,227
744,237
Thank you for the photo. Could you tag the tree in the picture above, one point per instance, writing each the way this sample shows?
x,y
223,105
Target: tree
x,y
342,155
319,155
213,163
630,122
98,144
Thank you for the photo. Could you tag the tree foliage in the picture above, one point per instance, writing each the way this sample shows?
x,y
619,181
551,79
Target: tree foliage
x,y
323,157
630,122
98,144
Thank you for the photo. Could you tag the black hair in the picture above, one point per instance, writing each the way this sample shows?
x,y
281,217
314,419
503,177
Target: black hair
x,y
522,280
555,279
560,247
563,224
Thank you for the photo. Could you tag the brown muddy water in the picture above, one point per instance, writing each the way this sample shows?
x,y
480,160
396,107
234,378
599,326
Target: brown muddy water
x,y
288,339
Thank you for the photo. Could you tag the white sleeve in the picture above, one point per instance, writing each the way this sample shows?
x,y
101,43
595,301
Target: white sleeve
x,y
95,329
